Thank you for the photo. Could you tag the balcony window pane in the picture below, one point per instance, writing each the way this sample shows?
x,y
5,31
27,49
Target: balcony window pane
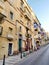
x,y
11,15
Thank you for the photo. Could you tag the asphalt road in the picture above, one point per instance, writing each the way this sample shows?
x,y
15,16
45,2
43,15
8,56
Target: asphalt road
x,y
40,57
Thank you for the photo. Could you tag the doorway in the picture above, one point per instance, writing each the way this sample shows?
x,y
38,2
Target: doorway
x,y
10,49
20,45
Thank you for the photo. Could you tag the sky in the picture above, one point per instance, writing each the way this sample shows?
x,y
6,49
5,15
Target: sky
x,y
41,9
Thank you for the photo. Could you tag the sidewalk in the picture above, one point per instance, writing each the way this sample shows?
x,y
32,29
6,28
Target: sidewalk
x,y
11,60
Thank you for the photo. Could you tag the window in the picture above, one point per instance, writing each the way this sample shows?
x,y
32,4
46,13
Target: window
x,y
5,0
39,32
10,30
21,21
27,23
20,28
22,5
22,2
36,29
1,30
35,25
11,15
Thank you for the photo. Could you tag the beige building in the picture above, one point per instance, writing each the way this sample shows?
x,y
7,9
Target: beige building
x,y
19,27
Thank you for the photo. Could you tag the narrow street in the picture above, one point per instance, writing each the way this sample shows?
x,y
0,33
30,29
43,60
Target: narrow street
x,y
40,57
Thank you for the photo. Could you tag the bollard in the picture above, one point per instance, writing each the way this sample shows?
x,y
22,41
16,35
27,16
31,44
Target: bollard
x,y
4,60
21,55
